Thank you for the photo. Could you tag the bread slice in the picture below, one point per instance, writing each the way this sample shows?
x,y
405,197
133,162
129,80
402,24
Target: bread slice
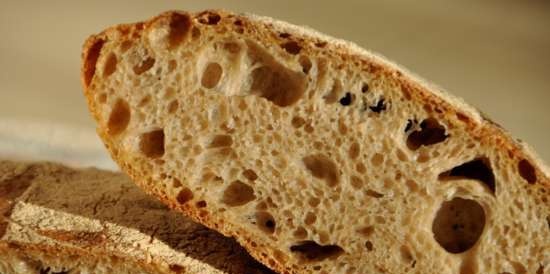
x,y
55,219
318,156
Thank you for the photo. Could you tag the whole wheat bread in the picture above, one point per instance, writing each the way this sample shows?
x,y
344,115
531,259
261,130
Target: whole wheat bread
x,y
55,219
318,156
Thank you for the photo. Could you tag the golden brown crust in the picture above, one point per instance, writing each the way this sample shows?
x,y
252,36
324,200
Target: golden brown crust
x,y
268,31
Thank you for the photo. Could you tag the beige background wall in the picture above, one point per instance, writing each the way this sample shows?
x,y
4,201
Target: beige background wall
x,y
495,54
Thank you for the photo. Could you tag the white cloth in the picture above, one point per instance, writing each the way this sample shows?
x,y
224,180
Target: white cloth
x,y
48,141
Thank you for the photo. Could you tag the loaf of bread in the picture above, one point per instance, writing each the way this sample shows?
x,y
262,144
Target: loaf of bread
x,y
55,219
316,155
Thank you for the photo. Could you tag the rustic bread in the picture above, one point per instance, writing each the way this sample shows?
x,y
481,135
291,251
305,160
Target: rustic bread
x,y
318,156
54,219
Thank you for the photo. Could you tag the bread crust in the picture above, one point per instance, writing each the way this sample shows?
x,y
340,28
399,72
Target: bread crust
x,y
55,214
266,31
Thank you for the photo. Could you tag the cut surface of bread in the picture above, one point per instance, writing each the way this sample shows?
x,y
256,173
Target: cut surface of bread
x,y
316,155
55,219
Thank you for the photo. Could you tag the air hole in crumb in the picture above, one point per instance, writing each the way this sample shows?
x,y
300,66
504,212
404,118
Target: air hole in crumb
x,y
314,202
297,121
406,254
409,125
119,118
361,168
374,194
321,44
144,101
250,174
237,194
412,185
366,231
211,75
265,221
173,106
379,107
458,224
110,65
152,143
201,204
261,205
323,168
478,169
462,117
305,63
284,35
356,182
377,159
184,196
144,66
232,47
309,128
369,246
334,93
169,93
209,18
278,85
527,171
172,65
347,99
125,46
176,183
179,27
221,141
310,251
430,133
300,233
354,150
102,98
310,218
91,60
292,47
365,88
176,268
540,270
243,105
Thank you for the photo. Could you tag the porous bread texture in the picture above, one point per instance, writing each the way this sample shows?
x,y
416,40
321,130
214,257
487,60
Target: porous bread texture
x,y
55,219
316,156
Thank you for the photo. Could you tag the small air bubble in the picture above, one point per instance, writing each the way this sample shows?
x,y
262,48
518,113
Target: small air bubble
x,y
527,171
365,88
201,204
347,99
184,195
209,18
152,143
379,107
292,47
369,246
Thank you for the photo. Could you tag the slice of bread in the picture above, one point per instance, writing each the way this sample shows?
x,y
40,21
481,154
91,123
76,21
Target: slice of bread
x,y
318,156
55,219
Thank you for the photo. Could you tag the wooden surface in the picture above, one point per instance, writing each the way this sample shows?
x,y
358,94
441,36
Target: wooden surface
x,y
495,54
